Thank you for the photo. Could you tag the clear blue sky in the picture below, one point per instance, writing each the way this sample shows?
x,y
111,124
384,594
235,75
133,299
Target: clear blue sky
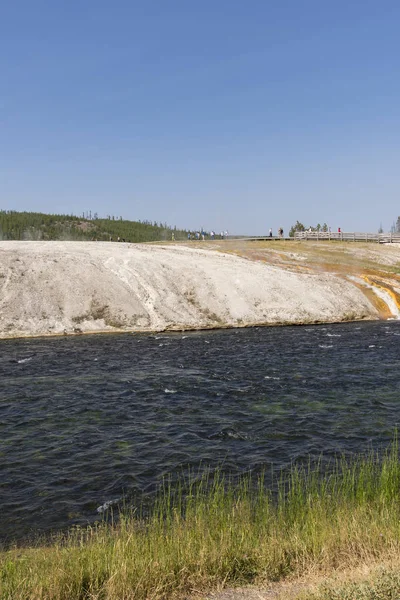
x,y
217,113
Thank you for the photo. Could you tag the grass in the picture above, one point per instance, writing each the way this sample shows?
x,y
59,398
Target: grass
x,y
382,583
212,533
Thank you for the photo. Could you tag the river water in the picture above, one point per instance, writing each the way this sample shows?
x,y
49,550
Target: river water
x,y
86,421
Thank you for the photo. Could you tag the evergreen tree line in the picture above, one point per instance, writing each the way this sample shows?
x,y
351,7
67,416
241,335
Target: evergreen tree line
x,y
16,225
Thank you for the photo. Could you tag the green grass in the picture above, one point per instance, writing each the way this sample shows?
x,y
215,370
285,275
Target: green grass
x,y
213,533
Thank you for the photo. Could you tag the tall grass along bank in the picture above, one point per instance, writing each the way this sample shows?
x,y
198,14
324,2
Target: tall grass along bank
x,y
215,533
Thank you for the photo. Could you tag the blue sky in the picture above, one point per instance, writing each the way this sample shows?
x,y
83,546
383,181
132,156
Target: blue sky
x,y
219,114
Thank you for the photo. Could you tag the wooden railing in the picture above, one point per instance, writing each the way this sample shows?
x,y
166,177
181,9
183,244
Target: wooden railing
x,y
345,236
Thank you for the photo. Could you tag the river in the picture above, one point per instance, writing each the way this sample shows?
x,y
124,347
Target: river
x,y
86,421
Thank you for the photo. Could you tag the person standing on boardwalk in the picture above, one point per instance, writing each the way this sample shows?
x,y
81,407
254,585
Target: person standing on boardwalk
x,y
270,232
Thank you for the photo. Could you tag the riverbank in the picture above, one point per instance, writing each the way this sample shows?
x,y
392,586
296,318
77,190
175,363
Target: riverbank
x,y
212,534
55,288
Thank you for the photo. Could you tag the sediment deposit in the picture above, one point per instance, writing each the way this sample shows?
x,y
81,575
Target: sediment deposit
x,y
81,287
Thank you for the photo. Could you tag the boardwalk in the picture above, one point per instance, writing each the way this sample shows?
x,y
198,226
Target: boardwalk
x,y
344,236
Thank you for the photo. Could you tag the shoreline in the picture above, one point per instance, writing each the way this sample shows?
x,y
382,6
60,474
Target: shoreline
x,y
179,329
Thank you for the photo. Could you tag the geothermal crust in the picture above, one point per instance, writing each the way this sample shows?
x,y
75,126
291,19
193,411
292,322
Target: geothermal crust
x,y
74,287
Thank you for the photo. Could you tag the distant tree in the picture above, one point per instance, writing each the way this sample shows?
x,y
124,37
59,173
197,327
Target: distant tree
x,y
300,227
296,227
380,230
398,225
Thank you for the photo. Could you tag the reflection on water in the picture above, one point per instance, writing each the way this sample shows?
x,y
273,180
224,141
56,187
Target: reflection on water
x,y
85,421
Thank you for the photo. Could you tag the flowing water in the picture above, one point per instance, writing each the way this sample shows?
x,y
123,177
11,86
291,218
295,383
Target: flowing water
x,y
86,421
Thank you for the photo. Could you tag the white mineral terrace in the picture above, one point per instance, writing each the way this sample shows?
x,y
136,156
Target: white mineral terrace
x,y
49,288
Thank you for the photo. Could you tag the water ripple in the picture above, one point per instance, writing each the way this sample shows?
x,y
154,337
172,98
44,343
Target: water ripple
x,y
89,422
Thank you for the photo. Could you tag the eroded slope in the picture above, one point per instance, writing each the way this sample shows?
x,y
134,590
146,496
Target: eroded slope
x,y
67,287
